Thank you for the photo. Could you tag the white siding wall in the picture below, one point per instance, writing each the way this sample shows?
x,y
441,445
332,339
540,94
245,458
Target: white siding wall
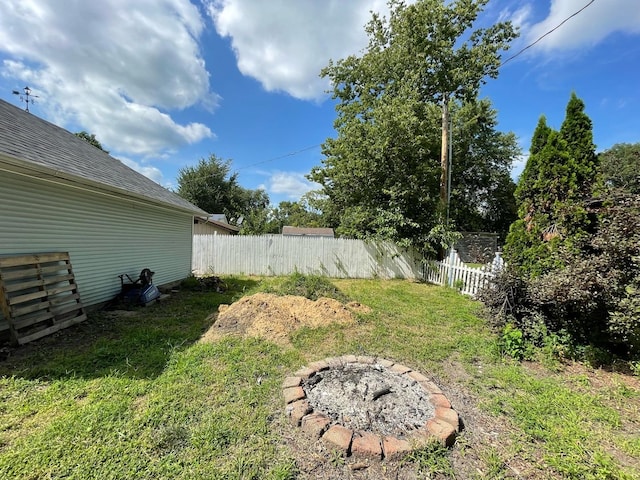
x,y
105,235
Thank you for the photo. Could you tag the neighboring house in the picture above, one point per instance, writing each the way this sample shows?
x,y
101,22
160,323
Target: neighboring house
x,y
213,225
311,232
58,193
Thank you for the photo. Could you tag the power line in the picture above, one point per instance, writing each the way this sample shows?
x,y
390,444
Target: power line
x,y
296,152
290,154
549,32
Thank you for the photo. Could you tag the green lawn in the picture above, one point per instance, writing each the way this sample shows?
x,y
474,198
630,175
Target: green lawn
x,y
138,397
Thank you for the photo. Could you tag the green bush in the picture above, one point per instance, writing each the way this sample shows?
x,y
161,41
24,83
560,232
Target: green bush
x,y
594,298
512,342
308,286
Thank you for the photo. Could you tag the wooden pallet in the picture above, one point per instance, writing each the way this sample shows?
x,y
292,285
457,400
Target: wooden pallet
x,y
38,295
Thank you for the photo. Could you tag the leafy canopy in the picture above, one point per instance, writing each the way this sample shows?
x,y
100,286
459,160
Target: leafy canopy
x,y
619,167
90,138
381,173
211,186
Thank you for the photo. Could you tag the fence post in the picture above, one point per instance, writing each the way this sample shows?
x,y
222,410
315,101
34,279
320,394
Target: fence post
x,y
497,264
452,257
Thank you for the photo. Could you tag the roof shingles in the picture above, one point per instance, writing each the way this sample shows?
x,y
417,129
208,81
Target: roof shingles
x,y
26,137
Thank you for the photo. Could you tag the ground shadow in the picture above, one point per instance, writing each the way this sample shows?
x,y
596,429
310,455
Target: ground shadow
x,y
136,342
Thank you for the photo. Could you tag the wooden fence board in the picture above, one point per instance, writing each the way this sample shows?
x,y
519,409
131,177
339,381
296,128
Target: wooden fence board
x,y
36,298
282,255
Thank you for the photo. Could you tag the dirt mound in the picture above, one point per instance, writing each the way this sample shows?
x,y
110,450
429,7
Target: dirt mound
x,y
273,317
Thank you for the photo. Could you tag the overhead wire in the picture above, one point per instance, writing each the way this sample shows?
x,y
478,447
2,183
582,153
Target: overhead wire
x,y
290,154
296,152
547,33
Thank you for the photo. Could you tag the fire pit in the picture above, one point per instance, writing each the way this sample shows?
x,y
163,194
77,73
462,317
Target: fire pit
x,y
369,406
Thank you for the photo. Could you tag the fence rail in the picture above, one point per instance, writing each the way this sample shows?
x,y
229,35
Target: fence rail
x,y
270,255
453,272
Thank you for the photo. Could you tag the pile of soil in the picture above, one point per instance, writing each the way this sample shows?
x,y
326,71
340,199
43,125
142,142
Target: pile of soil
x,y
274,317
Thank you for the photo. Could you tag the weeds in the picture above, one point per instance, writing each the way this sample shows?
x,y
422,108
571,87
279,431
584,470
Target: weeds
x,y
432,459
308,286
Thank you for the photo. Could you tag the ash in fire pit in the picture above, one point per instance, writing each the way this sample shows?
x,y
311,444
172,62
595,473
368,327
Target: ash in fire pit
x,y
369,397
369,406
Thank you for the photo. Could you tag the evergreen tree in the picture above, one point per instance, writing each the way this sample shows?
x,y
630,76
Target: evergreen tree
x,y
577,131
559,176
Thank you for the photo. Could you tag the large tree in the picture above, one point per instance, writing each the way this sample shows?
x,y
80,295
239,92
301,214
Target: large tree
x,y
482,190
382,174
214,188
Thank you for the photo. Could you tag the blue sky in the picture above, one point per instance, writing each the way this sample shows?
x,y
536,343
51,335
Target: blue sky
x,y
164,83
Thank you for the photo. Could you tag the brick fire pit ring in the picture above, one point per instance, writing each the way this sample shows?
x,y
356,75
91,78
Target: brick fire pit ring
x,y
369,407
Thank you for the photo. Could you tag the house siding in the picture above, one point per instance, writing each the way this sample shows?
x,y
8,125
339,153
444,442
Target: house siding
x,y
105,235
209,228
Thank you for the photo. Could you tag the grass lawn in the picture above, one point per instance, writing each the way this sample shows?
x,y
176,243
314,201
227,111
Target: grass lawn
x,y
137,396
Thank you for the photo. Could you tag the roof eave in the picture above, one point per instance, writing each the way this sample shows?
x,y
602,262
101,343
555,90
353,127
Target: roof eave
x,y
34,170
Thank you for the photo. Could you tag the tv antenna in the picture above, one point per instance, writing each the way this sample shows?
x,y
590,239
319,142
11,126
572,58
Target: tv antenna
x,y
26,97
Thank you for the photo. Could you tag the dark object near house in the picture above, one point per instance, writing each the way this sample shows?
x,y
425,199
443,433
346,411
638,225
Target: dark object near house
x,y
140,291
212,283
477,247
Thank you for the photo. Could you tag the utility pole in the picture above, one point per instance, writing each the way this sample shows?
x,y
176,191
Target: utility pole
x,y
444,155
25,97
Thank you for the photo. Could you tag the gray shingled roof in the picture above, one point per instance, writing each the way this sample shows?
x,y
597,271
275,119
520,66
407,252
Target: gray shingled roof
x,y
26,137
315,232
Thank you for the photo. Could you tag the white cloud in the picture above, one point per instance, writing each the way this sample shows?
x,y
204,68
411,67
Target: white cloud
x,y
518,166
285,43
114,67
586,29
519,17
291,184
148,171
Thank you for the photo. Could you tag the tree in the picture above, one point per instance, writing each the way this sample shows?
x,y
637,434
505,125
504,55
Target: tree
x,y
619,167
90,138
428,47
253,211
482,191
381,176
577,131
295,214
382,173
560,175
574,252
211,186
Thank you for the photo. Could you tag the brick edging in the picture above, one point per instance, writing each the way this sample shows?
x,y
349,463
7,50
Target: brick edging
x,y
443,426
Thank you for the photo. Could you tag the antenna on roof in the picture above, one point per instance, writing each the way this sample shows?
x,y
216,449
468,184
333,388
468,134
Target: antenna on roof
x,y
25,97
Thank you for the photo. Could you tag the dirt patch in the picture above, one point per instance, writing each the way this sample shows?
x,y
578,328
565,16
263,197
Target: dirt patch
x,y
274,317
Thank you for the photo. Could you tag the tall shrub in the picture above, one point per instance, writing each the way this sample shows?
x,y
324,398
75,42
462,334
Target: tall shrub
x,y
560,174
574,252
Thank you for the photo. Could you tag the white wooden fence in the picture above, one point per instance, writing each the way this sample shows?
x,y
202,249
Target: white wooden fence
x,y
454,273
270,255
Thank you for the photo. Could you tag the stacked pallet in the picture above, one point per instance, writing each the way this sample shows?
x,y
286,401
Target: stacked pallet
x,y
38,295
